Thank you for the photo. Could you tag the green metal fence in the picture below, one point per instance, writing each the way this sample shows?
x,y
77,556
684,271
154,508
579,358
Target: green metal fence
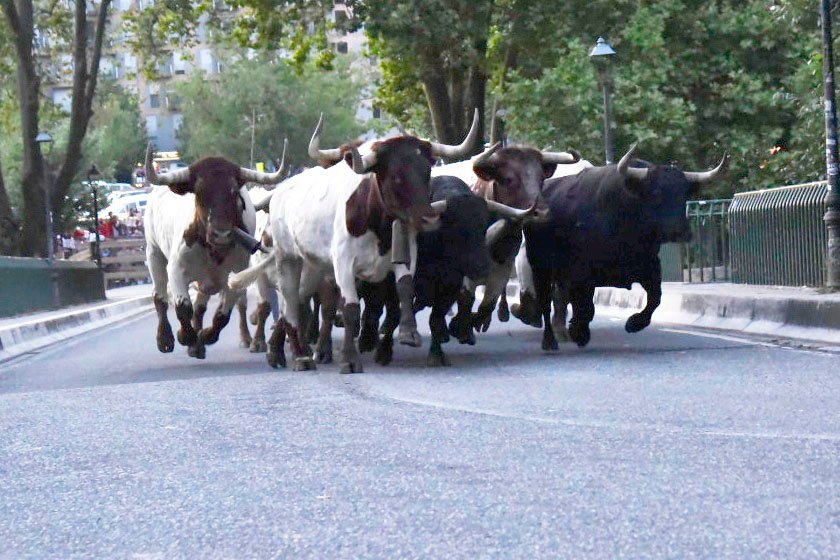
x,y
778,236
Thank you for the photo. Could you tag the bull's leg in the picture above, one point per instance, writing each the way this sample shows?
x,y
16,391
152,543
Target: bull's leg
x,y
306,319
653,287
527,310
408,325
258,343
199,309
179,285
328,298
542,285
266,290
289,272
503,312
276,355
351,361
583,310
313,331
157,270
373,296
210,335
244,333
437,324
461,325
560,299
385,348
496,282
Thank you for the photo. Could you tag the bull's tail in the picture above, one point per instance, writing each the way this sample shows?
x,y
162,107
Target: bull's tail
x,y
241,280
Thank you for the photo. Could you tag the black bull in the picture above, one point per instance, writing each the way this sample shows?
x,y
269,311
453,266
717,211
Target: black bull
x,y
455,251
605,229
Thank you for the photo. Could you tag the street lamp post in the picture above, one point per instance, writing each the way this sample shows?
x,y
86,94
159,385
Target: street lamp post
x,y
42,139
601,56
94,172
832,213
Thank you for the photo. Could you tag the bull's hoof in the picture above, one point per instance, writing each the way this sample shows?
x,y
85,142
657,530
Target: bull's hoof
x,y
208,336
338,321
276,359
444,337
579,334
258,346
527,311
245,343
369,338
636,323
186,338
197,351
254,318
549,343
462,331
384,353
165,340
410,338
503,313
303,363
562,333
324,355
351,367
437,359
482,319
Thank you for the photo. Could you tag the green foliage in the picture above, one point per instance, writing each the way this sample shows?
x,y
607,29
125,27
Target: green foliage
x,y
218,113
692,79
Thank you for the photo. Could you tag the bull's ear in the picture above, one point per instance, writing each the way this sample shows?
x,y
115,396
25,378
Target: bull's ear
x,y
181,188
549,169
348,159
487,172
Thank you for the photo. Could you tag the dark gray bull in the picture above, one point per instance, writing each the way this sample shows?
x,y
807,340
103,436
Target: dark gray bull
x,y
605,228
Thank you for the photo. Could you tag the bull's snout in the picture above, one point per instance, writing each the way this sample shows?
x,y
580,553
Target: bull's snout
x,y
429,223
220,237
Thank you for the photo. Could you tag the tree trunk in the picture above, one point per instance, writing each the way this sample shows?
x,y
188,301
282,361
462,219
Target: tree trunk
x,y
8,224
19,16
84,86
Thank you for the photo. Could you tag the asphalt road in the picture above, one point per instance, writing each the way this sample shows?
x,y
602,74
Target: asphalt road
x,y
660,444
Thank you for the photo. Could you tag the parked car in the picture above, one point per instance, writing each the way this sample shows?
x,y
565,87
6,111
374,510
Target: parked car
x,y
124,204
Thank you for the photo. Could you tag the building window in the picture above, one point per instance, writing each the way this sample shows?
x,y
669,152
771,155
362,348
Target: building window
x,y
340,16
154,101
377,112
341,47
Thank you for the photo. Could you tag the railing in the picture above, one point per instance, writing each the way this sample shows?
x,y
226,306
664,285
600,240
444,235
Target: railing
x,y
778,236
123,260
706,257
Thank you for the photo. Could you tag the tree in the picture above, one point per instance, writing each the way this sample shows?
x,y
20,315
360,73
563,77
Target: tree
x,y
24,20
218,113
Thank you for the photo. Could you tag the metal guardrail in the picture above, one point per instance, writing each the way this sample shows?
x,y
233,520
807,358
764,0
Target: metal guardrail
x,y
706,257
778,236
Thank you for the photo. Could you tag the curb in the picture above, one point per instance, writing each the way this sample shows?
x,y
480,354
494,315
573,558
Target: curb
x,y
34,335
799,318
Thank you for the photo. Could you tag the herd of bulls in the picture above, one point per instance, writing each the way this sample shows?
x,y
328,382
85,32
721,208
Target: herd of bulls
x,y
380,223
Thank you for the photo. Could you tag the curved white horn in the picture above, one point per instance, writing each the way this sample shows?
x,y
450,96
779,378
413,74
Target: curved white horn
x,y
439,206
362,165
705,176
482,158
174,177
267,178
263,204
625,169
315,152
462,149
494,232
509,212
572,156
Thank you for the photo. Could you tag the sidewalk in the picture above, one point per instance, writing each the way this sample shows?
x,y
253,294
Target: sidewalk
x,y
31,331
782,312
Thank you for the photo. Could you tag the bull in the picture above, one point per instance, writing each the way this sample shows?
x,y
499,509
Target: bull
x,y
337,223
605,228
199,228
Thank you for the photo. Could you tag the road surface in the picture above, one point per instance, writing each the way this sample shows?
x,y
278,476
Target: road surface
x,y
667,443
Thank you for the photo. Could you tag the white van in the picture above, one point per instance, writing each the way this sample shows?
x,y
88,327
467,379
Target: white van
x,y
124,204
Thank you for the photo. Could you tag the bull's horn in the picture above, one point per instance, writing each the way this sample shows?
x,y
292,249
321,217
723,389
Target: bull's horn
x,y
439,206
509,212
171,178
263,204
248,241
462,149
484,156
362,165
494,232
572,156
632,172
315,152
266,178
705,176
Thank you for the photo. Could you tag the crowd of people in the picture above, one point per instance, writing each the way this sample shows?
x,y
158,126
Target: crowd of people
x,y
110,227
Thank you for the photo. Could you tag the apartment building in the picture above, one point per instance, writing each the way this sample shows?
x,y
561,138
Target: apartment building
x,y
159,105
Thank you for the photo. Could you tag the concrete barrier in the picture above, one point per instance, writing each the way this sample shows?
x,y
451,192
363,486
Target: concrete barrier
x,y
28,285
